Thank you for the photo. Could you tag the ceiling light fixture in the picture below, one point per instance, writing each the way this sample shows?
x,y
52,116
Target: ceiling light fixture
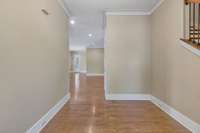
x,y
72,22
90,35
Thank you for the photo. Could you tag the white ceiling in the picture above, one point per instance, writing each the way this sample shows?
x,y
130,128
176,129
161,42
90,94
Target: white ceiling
x,y
89,17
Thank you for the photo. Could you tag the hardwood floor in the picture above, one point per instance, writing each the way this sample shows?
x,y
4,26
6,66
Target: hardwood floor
x,y
88,112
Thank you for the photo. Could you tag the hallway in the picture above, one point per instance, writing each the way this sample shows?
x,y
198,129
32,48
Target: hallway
x,y
88,112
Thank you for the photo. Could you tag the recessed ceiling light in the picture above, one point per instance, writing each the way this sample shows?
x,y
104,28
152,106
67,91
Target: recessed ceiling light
x,y
90,35
72,22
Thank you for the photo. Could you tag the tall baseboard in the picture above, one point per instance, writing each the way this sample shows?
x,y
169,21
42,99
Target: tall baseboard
x,y
39,125
182,119
94,74
127,97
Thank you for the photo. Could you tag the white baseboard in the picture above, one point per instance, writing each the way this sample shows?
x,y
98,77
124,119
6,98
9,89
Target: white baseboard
x,y
84,72
39,125
182,119
78,71
95,74
127,97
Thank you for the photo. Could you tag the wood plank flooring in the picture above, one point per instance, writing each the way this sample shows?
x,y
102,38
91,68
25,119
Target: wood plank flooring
x,y
88,112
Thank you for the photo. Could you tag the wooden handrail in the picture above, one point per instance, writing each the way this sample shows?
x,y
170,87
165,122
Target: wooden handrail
x,y
192,1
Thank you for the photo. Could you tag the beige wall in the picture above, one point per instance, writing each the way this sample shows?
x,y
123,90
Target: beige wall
x,y
175,73
127,54
95,61
33,61
83,62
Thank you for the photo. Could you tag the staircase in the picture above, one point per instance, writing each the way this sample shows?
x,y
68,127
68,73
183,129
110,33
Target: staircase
x,y
194,20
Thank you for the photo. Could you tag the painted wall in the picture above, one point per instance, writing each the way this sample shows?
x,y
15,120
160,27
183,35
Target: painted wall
x,y
175,70
33,61
128,54
95,61
83,55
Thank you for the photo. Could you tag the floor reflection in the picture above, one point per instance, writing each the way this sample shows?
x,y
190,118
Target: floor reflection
x,y
76,85
93,109
90,129
77,80
88,112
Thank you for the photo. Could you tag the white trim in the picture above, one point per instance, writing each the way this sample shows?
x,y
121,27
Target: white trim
x,y
182,119
105,59
64,7
78,72
105,82
156,7
190,48
95,74
134,13
83,71
95,46
128,97
120,12
39,125
127,13
179,117
77,48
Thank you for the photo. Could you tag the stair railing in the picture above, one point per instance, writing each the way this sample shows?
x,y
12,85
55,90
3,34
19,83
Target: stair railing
x,y
194,20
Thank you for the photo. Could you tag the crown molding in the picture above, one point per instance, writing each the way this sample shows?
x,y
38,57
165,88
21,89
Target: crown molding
x,y
156,7
121,12
134,13
63,5
127,13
